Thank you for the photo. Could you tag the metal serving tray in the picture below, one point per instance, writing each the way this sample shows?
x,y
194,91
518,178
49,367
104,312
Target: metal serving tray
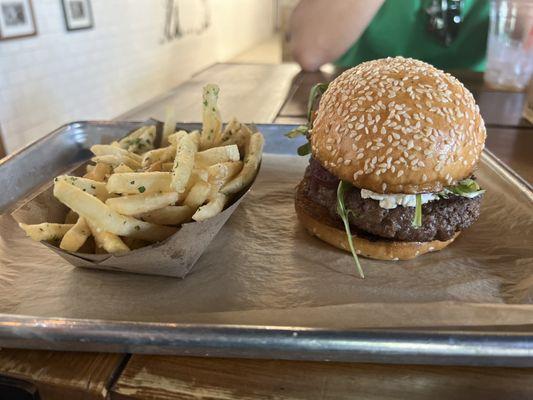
x,y
26,172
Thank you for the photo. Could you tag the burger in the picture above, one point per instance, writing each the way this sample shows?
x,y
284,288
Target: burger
x,y
394,144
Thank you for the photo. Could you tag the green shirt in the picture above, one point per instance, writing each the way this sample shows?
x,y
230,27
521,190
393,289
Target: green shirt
x,y
400,28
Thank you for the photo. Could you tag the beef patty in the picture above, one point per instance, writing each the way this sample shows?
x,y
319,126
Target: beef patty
x,y
441,219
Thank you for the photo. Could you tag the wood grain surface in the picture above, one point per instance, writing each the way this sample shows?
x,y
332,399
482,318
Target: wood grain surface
x,y
250,92
62,375
163,377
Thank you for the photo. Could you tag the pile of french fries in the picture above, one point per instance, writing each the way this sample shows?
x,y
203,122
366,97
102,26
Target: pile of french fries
x,y
135,194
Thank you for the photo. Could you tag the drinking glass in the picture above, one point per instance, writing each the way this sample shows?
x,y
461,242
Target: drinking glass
x,y
510,44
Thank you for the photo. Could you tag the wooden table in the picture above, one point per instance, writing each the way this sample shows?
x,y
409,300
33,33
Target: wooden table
x,y
276,93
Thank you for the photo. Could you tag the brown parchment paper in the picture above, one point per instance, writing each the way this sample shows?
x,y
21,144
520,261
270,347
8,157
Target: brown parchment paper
x,y
263,268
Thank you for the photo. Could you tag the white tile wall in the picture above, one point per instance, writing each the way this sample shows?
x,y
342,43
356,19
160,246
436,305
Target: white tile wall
x,y
61,76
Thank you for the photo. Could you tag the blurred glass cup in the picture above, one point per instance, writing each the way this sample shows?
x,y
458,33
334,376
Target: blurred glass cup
x,y
510,44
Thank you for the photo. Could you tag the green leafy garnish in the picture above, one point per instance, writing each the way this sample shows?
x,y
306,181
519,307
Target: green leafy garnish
x,y
141,189
417,221
343,213
301,130
316,91
304,130
304,149
466,188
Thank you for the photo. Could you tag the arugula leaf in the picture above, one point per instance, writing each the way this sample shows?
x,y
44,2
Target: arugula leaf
x,y
343,213
301,130
466,188
304,149
417,221
316,91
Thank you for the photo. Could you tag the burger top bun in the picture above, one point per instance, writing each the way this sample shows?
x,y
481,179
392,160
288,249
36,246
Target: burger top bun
x,y
398,125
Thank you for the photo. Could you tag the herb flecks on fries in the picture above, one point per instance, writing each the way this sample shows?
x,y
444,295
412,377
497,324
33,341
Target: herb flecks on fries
x,y
136,194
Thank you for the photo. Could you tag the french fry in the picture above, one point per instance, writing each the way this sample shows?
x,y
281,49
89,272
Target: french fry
x,y
170,215
236,133
111,243
106,219
212,123
145,141
106,149
175,138
115,161
197,195
47,230
167,167
141,203
251,164
126,142
99,173
95,188
216,155
220,173
184,161
139,182
199,174
163,154
169,126
122,168
212,208
76,236
155,167
140,140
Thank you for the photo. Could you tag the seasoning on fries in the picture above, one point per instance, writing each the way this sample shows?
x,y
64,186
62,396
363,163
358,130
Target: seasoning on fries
x,y
136,194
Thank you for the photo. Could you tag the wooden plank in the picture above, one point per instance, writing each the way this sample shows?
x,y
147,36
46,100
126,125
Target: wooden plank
x,y
164,377
62,375
250,92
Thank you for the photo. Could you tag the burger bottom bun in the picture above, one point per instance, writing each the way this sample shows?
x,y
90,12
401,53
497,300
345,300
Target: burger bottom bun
x,y
318,222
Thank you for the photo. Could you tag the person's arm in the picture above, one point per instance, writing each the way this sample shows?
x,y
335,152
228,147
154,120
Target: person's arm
x,y
322,30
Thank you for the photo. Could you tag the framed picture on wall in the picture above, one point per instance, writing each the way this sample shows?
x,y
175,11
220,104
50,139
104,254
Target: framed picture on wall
x,y
16,19
78,14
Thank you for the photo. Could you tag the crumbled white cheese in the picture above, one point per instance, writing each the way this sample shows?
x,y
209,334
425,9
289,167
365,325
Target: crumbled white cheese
x,y
390,201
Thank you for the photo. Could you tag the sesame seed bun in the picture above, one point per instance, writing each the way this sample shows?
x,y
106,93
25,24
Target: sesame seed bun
x,y
317,221
398,125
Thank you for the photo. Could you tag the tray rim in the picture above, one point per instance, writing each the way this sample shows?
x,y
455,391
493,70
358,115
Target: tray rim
x,y
398,346
442,346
